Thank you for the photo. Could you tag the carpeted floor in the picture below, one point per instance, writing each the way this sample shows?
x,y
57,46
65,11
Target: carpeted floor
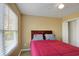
x,y
25,53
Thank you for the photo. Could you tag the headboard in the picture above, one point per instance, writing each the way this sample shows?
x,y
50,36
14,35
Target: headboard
x,y
40,32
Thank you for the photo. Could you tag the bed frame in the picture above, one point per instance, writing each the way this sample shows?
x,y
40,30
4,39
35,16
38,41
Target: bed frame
x,y
40,32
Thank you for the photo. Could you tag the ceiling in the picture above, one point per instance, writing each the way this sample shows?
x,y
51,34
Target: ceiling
x,y
47,9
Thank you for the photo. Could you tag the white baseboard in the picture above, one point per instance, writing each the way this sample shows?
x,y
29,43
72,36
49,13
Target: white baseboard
x,y
26,49
20,52
23,50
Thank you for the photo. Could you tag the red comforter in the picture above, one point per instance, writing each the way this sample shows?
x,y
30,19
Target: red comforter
x,y
52,48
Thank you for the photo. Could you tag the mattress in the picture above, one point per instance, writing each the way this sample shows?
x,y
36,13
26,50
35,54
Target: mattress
x,y
52,48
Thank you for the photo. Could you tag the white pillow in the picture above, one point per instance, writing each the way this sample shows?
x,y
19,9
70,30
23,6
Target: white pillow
x,y
38,37
50,36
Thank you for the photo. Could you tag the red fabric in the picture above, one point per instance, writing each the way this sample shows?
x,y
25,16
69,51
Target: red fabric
x,y
52,48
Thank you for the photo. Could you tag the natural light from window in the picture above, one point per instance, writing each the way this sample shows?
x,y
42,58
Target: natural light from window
x,y
8,30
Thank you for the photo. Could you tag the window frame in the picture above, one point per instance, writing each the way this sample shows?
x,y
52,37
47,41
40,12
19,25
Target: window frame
x,y
3,30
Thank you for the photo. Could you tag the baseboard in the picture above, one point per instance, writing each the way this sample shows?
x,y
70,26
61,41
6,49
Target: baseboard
x,y
23,50
26,49
20,52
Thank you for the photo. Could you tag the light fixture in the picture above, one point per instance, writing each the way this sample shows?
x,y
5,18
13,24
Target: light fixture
x,y
61,6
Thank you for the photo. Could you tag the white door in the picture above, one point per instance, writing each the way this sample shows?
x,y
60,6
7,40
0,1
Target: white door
x,y
77,32
72,32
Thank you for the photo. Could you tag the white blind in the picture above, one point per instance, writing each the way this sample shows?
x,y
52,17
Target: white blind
x,y
1,29
8,29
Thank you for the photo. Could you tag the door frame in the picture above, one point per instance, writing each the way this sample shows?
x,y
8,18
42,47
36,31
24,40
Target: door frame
x,y
65,29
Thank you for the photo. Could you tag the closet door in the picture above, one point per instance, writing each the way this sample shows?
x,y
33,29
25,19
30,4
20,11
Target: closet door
x,y
72,32
77,33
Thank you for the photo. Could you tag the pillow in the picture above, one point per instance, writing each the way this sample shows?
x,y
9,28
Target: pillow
x,y
50,36
38,37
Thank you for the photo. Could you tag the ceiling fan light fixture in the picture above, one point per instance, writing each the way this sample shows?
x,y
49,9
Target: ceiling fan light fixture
x,y
61,6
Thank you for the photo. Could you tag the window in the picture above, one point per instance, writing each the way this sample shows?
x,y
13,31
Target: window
x,y
8,30
1,30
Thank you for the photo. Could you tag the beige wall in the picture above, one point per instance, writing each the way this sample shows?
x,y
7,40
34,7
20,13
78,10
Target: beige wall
x,y
39,23
71,16
16,10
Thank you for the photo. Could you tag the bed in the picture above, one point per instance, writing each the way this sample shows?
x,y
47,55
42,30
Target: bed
x,y
51,47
